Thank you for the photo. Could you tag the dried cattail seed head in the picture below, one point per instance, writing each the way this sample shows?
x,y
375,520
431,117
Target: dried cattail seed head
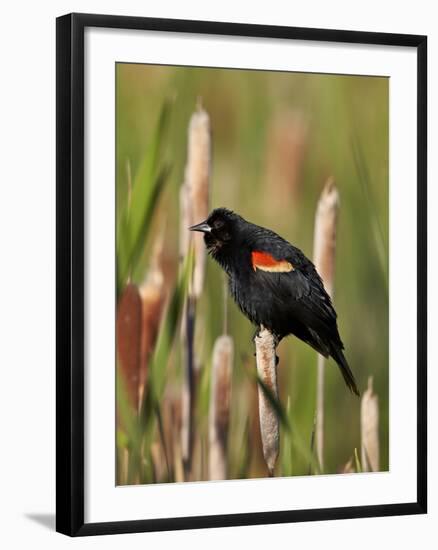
x,y
269,421
153,298
195,198
220,402
287,139
369,419
325,234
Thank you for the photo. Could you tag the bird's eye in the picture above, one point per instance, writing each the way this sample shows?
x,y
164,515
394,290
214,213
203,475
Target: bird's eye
x,y
218,224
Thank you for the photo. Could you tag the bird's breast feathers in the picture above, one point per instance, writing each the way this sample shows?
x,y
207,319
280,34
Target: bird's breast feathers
x,y
266,262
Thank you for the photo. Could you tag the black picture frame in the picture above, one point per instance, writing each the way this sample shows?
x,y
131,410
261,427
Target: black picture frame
x,y
70,273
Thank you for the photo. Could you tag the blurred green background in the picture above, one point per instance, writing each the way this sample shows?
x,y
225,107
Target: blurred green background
x,y
276,138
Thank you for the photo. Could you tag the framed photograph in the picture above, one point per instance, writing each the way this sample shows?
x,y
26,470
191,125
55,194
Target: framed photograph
x,y
241,274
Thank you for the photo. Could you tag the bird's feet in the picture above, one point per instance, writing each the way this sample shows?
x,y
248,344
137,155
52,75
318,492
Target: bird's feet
x,y
276,342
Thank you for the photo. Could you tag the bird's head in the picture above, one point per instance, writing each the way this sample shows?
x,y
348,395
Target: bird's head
x,y
221,229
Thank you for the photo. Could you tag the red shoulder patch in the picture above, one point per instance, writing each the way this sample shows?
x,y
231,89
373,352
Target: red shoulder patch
x,y
266,262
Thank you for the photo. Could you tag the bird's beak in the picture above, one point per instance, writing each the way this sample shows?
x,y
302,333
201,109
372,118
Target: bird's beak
x,y
203,227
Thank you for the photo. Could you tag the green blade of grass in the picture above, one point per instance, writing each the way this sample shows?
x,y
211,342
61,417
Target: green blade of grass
x,y
377,232
274,402
128,434
357,461
295,438
303,449
136,217
126,416
286,447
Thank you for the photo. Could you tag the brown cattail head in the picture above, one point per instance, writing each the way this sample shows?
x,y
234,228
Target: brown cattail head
x,y
286,147
269,421
153,298
195,198
369,421
220,400
325,234
128,333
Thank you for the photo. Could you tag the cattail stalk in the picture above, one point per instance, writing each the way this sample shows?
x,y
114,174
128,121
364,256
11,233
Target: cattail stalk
x,y
194,205
220,401
324,259
188,388
369,420
265,343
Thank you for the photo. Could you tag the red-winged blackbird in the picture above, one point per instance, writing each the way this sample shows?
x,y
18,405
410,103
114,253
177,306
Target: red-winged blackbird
x,y
274,284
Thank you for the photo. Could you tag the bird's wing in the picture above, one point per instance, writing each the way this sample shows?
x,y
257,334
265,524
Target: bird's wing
x,y
292,278
264,261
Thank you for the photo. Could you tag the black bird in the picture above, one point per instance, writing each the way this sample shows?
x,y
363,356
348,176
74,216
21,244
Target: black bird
x,y
274,284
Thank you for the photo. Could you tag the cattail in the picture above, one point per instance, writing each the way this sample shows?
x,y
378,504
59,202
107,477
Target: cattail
x,y
128,333
325,234
153,297
186,220
267,371
369,421
324,259
286,148
197,180
220,400
194,205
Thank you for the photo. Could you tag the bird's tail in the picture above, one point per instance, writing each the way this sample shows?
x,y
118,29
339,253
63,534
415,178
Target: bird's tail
x,y
348,376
